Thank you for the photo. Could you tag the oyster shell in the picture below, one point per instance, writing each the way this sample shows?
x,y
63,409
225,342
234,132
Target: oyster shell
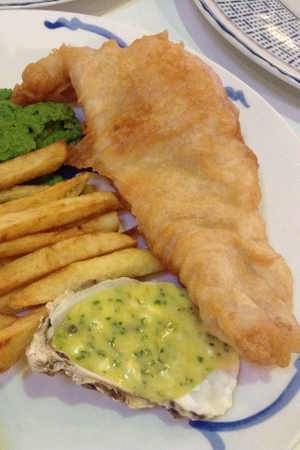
x,y
211,398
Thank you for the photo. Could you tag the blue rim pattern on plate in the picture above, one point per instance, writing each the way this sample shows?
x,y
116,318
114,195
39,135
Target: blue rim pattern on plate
x,y
76,24
210,429
259,47
237,96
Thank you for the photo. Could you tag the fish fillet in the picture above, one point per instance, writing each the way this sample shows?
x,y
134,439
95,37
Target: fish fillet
x,y
160,126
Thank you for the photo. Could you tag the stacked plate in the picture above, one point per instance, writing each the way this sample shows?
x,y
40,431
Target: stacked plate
x,y
4,4
267,31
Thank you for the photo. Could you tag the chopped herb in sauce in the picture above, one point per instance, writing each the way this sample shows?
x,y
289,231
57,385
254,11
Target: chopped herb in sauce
x,y
147,339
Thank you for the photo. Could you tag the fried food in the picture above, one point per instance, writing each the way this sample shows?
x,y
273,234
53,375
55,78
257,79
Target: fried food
x,y
132,262
15,337
105,222
35,265
160,126
89,188
4,261
69,188
6,320
55,214
26,244
17,192
32,165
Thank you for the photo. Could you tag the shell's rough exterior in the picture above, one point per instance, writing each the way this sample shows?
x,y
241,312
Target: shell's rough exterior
x,y
211,398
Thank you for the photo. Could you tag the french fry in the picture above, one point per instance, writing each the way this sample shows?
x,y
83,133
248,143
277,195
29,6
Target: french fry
x,y
32,165
4,308
18,247
65,189
35,265
16,192
6,320
134,262
55,214
89,188
5,261
15,338
105,222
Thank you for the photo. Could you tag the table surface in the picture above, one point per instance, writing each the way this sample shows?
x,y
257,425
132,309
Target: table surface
x,y
184,22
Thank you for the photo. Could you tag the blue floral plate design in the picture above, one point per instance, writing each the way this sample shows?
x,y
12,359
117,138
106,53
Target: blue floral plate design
x,y
52,413
267,31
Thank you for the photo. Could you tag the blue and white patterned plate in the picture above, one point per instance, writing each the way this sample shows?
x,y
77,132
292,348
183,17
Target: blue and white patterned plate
x,y
4,4
38,412
267,31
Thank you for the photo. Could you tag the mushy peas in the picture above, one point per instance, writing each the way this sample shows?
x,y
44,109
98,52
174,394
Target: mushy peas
x,y
143,337
23,129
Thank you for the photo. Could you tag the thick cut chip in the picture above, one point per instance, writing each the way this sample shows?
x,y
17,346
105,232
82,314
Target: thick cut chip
x,y
48,259
32,165
18,247
133,263
16,192
6,320
15,337
89,188
4,261
70,188
55,214
104,222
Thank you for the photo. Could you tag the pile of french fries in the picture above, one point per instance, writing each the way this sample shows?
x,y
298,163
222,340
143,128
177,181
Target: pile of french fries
x,y
52,240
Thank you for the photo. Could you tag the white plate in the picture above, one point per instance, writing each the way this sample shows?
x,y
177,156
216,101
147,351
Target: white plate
x,y
4,4
53,414
267,31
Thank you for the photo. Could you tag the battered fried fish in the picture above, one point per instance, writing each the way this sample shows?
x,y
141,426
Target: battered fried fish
x,y
162,128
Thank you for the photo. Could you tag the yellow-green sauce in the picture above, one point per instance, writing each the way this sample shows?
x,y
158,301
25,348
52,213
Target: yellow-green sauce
x,y
143,337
